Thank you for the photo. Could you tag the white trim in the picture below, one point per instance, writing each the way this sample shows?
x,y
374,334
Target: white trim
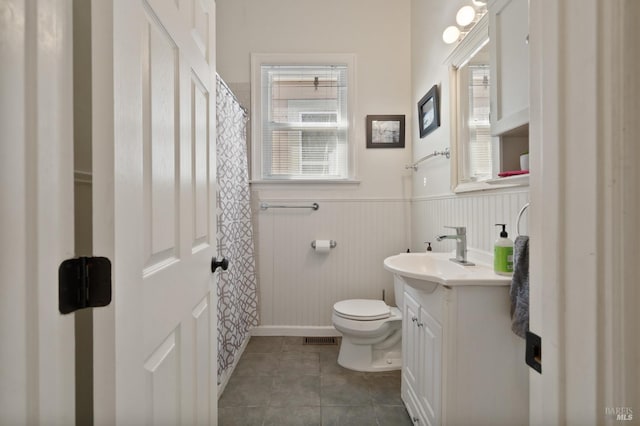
x,y
294,330
102,137
545,390
490,191
475,41
620,230
516,180
305,182
488,185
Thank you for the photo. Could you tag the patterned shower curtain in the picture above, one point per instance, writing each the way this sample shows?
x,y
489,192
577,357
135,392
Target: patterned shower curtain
x,y
237,287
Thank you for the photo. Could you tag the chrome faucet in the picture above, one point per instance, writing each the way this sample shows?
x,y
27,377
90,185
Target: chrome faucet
x,y
461,244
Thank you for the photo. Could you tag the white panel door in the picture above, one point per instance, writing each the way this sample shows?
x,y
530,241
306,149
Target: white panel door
x,y
154,203
37,384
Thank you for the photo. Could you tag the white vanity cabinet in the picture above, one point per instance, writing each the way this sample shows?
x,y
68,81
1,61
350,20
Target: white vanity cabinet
x,y
461,362
509,64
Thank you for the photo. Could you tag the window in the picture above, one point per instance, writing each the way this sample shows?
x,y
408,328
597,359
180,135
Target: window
x,y
301,108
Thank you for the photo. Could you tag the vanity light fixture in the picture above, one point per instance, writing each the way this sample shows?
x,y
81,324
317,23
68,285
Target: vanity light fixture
x,y
466,18
451,34
465,15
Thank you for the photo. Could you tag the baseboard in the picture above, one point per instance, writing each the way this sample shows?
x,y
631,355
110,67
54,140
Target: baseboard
x,y
294,330
224,379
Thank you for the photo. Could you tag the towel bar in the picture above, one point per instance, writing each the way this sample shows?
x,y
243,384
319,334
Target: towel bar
x,y
520,213
444,152
265,206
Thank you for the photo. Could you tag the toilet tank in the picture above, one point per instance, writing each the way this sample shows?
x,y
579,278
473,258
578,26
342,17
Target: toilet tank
x,y
398,291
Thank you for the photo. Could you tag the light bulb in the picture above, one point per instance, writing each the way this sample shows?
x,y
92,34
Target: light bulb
x,y
465,15
451,34
479,3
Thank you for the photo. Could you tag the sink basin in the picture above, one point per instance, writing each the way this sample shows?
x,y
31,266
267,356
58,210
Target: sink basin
x,y
426,271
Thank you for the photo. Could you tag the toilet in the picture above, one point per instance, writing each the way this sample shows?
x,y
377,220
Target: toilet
x,y
371,333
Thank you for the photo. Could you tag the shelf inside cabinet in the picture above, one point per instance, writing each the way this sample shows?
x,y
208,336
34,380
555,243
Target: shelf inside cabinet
x,y
517,180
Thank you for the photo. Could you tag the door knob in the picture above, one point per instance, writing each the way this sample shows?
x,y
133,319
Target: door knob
x,y
215,264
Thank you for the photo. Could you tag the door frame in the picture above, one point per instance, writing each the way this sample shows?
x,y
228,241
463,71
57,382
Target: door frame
x,y
37,373
584,207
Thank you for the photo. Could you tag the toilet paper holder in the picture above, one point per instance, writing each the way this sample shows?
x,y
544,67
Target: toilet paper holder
x,y
332,244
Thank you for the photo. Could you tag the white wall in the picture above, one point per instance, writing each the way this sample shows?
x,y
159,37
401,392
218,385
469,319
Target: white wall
x,y
371,219
479,213
433,205
298,285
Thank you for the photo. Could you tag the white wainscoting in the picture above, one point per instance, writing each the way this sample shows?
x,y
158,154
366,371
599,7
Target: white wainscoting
x,y
298,286
479,213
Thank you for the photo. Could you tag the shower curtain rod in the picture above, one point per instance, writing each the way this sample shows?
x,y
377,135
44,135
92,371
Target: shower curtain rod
x,y
235,98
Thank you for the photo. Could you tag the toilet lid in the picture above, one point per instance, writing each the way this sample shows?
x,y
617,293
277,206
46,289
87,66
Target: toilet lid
x,y
362,309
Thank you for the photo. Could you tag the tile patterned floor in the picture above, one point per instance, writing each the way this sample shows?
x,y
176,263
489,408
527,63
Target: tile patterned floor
x,y
279,381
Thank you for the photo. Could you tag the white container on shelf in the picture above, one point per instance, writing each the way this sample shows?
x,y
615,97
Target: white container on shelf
x,y
524,161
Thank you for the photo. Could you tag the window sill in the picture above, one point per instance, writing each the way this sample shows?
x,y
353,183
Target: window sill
x,y
305,182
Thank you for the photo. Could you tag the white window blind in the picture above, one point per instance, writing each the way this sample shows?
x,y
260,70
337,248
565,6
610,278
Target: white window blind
x,y
304,124
478,150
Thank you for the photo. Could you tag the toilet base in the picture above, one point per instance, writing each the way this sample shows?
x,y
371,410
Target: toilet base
x,y
368,358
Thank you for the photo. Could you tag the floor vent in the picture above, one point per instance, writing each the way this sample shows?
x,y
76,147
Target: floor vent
x,y
320,341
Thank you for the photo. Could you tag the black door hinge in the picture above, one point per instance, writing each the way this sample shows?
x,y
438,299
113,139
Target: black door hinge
x,y
533,353
84,282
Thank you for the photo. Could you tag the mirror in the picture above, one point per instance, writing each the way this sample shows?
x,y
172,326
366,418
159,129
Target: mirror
x,y
471,143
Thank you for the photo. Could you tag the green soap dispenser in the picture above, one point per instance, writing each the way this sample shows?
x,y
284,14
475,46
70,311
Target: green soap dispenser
x,y
503,253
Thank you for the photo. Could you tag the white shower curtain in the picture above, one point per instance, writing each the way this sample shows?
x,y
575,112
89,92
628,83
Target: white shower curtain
x,y
237,287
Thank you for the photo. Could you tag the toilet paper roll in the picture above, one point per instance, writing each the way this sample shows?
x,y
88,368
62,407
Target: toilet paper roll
x,y
323,246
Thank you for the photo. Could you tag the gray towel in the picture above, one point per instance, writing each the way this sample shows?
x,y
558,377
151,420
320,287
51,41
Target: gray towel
x,y
520,287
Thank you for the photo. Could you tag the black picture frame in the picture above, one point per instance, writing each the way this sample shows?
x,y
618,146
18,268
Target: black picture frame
x,y
385,131
429,112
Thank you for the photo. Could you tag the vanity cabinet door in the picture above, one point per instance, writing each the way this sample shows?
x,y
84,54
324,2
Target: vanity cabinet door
x,y
422,363
411,343
509,59
430,383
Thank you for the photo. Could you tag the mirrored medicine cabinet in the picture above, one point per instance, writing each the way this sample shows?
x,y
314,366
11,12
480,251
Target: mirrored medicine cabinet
x,y
476,154
472,146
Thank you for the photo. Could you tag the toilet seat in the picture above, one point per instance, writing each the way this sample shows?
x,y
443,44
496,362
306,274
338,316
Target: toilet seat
x,y
362,309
